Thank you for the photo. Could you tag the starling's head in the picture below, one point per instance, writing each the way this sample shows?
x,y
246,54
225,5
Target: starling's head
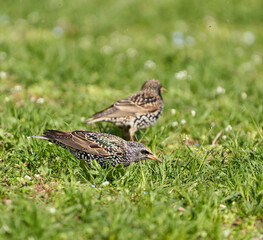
x,y
137,151
153,85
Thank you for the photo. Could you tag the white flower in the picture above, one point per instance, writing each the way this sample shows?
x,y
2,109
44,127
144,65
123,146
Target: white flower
x,y
255,149
222,206
243,95
37,175
27,177
173,111
193,113
17,88
7,99
183,121
52,210
210,21
228,128
224,137
220,90
248,38
107,50
28,137
246,66
5,228
178,39
256,58
181,75
131,52
149,64
58,31
40,100
174,124
3,75
93,185
226,232
106,183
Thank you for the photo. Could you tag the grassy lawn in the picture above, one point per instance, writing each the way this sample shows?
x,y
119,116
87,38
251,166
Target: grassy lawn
x,y
61,61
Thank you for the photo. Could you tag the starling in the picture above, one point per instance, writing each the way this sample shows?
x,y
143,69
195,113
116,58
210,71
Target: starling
x,y
106,149
140,110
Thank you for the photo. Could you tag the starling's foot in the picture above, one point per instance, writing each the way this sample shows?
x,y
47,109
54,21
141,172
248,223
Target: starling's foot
x,y
132,130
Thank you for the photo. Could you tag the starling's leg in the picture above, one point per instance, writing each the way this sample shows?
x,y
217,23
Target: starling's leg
x,y
132,130
126,132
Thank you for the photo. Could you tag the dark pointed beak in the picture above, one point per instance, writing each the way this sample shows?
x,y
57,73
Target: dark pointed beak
x,y
163,89
154,157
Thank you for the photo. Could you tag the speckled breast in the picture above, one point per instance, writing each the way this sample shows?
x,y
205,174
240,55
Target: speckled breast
x,y
121,121
103,161
146,120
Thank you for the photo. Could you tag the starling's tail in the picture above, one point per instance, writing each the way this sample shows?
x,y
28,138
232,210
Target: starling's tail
x,y
52,134
102,116
63,139
93,120
41,137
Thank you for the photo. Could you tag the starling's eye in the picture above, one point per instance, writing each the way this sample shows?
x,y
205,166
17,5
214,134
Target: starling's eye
x,y
144,152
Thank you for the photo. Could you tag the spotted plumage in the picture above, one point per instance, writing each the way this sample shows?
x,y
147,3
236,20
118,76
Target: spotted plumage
x,y
140,110
106,149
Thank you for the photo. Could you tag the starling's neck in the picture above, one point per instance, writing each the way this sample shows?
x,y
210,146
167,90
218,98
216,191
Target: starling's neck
x,y
152,91
131,153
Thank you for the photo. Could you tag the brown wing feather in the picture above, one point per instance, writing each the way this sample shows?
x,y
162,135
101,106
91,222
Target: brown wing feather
x,y
140,103
88,141
62,137
88,144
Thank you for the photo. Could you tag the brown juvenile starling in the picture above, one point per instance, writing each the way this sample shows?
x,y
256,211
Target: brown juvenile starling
x,y
140,110
106,149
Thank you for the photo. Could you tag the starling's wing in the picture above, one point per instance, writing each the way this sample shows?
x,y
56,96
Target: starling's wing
x,y
100,144
140,103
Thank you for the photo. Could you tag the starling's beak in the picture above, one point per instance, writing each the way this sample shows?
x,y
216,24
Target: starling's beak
x,y
163,89
154,157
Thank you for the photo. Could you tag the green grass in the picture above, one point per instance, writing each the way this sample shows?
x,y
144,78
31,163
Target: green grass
x,y
80,56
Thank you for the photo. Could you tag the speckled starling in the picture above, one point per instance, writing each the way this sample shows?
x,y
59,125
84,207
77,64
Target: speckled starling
x,y
106,149
140,110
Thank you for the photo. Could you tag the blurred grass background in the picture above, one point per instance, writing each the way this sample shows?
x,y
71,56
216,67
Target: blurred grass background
x,y
61,61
